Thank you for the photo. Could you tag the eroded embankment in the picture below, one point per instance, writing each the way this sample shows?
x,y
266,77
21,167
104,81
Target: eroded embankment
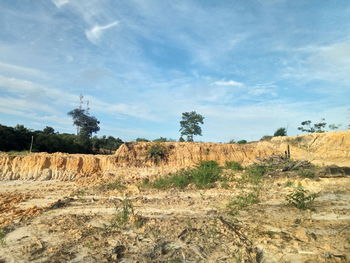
x,y
319,148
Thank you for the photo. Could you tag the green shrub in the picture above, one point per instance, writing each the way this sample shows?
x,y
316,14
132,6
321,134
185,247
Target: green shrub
x,y
235,166
2,237
307,173
157,152
178,180
207,173
242,142
123,213
253,174
300,198
203,176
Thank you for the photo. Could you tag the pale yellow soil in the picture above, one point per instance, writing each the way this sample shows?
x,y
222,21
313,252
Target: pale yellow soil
x,y
173,225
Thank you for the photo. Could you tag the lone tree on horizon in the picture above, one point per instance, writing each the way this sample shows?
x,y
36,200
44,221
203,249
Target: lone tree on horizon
x,y
86,124
190,125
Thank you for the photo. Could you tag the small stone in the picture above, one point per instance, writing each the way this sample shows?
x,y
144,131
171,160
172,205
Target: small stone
x,y
301,234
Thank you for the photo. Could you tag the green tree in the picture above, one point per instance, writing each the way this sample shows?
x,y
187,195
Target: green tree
x,y
190,125
49,130
141,140
306,126
280,132
85,123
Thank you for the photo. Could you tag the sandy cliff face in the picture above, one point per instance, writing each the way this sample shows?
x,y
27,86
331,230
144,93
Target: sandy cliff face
x,y
322,149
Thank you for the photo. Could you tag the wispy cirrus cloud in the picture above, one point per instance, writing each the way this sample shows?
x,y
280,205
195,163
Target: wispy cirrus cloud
x,y
228,83
94,34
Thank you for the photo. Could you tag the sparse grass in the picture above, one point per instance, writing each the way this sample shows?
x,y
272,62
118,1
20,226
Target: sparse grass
x,y
300,198
2,237
242,201
203,176
253,174
307,173
123,213
17,153
179,180
112,186
235,166
288,184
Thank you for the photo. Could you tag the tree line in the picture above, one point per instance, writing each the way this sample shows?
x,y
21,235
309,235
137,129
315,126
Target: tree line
x,y
19,138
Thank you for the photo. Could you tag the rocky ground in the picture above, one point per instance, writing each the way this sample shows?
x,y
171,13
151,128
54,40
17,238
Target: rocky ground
x,y
117,221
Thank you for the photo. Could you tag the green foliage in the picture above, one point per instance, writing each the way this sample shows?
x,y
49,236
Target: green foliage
x,y
232,141
288,184
18,139
190,125
235,166
178,180
157,152
334,126
141,140
242,201
112,186
105,145
123,213
280,132
2,237
253,174
160,139
48,130
207,173
300,198
181,139
266,138
86,124
203,176
307,173
242,142
306,126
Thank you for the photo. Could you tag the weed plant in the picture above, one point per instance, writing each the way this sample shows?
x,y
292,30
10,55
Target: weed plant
x,y
300,198
123,213
112,186
203,176
307,173
234,166
243,201
2,237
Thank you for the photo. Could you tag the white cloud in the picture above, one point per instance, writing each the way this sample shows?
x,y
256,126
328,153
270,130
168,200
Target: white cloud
x,y
60,3
94,34
14,69
228,83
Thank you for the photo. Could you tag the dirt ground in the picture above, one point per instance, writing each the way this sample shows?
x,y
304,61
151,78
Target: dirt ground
x,y
53,221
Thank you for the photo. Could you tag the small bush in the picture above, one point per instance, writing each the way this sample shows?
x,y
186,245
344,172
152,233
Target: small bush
x,y
207,173
203,176
157,152
300,198
123,213
307,174
254,174
178,180
235,166
242,142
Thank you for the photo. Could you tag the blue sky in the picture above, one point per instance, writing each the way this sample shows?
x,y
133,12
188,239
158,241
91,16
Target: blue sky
x,y
249,67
